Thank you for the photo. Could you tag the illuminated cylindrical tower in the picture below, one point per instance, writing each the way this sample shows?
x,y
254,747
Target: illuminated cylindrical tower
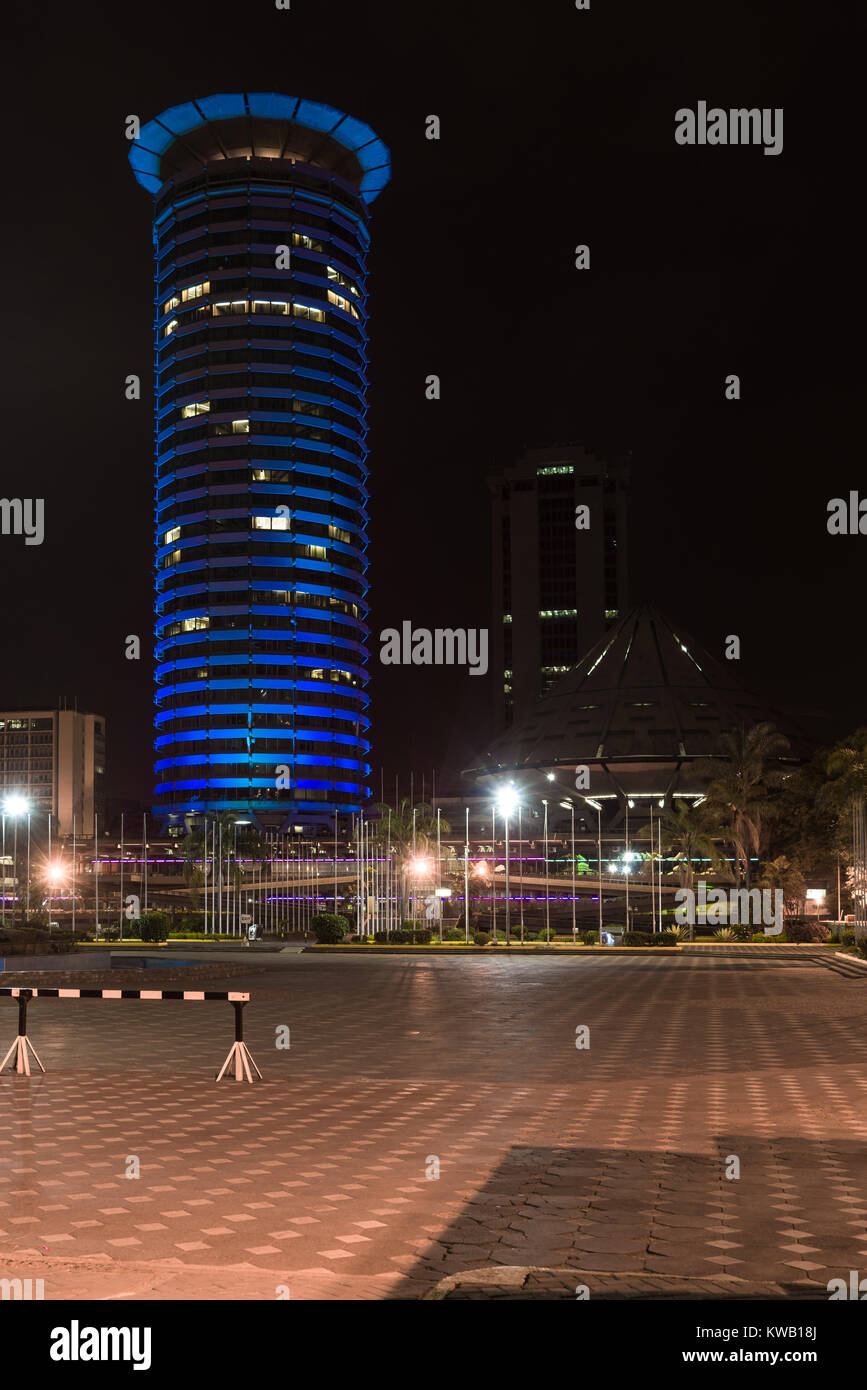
x,y
261,214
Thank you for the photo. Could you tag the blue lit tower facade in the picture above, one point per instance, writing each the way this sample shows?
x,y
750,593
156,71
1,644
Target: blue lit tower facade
x,y
261,215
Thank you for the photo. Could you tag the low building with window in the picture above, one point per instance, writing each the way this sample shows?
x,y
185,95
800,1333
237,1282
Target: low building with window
x,y
53,761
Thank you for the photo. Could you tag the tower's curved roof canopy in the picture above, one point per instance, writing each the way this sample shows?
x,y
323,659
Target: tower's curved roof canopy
x,y
259,124
647,695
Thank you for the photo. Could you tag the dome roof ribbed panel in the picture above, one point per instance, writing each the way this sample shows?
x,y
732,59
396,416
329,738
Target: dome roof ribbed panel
x,y
647,690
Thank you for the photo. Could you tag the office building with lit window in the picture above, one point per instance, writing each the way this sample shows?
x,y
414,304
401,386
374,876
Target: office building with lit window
x,y
261,232
557,586
53,760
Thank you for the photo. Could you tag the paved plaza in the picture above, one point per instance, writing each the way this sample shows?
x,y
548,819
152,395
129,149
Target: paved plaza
x,y
558,1166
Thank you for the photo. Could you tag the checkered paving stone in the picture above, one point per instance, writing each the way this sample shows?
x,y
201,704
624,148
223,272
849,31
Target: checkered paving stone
x,y
610,1162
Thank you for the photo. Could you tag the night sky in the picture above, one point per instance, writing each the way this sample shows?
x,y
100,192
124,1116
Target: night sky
x,y
557,129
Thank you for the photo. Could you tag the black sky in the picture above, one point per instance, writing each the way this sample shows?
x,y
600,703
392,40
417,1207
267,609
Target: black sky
x,y
557,129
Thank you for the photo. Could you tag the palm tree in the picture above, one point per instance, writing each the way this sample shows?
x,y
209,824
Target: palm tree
x,y
846,768
843,796
739,793
407,832
192,849
687,833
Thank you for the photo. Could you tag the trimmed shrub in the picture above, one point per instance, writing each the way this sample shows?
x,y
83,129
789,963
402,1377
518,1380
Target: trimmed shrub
x,y
452,934
482,938
329,928
806,929
406,936
152,927
667,938
637,938
590,938
847,937
742,932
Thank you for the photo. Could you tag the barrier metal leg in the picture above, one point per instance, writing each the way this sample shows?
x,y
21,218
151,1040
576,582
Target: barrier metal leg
x,y
239,1053
22,1046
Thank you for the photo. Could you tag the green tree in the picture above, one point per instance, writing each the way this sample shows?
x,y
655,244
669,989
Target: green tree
x,y
192,850
408,832
743,780
781,873
687,834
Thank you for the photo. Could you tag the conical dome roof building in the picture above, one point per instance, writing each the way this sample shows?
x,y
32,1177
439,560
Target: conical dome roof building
x,y
640,710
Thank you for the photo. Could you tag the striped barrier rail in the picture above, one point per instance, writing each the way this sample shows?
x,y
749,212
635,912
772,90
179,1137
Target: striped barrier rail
x,y
239,1054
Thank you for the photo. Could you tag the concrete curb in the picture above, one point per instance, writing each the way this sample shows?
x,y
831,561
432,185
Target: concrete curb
x,y
853,960
455,948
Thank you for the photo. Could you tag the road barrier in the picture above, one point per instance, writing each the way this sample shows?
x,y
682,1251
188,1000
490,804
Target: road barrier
x,y
239,1054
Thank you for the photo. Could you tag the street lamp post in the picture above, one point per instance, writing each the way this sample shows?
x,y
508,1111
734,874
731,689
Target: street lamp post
x,y
494,870
521,872
626,868
508,927
597,807
574,927
547,893
599,860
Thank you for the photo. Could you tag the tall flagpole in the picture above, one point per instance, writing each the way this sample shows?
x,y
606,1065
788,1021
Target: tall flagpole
x,y
439,875
652,882
96,874
27,905
574,926
205,880
144,867
121,876
467,874
599,861
547,893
